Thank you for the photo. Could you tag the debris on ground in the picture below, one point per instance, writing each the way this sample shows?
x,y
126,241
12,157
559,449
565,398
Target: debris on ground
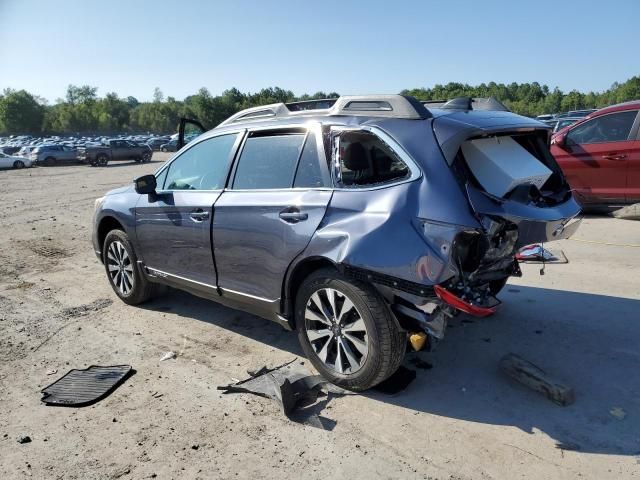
x,y
618,413
537,379
82,387
568,446
53,371
24,439
297,392
167,356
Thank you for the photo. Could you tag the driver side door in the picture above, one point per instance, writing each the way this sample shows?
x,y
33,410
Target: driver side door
x,y
173,226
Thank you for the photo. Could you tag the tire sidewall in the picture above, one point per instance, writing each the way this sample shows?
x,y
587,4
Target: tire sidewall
x,y
138,281
18,164
373,362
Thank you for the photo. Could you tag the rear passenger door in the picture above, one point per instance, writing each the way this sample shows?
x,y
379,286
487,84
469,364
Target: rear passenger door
x,y
276,198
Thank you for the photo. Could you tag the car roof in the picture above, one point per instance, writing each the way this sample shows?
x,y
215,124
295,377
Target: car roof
x,y
365,109
632,105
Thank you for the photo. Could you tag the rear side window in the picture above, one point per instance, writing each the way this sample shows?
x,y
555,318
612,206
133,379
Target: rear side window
x,y
365,160
268,161
614,127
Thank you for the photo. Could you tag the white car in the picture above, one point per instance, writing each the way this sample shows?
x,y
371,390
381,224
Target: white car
x,y
25,151
7,161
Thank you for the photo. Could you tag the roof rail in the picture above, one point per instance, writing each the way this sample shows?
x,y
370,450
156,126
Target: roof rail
x,y
468,103
388,106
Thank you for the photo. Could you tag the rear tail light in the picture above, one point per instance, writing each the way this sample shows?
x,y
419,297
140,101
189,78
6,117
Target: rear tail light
x,y
456,302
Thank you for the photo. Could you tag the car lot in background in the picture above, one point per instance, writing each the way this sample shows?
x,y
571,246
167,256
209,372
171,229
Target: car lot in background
x,y
8,161
600,155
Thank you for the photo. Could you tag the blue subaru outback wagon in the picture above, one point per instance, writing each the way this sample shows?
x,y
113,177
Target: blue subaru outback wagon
x,y
361,222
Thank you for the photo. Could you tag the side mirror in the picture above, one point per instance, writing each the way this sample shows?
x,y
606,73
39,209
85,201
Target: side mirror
x,y
560,140
145,184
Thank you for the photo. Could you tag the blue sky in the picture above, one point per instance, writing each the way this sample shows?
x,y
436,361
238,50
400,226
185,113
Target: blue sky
x,y
132,46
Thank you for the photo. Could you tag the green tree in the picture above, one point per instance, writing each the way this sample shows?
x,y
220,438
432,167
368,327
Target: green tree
x,y
20,113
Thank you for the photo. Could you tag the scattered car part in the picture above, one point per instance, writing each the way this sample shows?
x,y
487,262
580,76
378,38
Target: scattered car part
x,y
537,379
82,387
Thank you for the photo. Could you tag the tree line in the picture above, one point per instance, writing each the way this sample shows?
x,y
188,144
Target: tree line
x,y
82,111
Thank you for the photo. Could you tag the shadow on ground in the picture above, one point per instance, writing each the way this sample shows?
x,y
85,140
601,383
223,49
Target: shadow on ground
x,y
591,342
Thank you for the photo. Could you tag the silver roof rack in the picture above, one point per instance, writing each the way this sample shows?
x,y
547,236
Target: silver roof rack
x,y
387,106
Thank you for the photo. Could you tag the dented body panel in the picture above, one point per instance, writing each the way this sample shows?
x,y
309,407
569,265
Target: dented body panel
x,y
435,227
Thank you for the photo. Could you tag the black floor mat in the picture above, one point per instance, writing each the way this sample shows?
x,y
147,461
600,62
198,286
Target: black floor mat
x,y
79,388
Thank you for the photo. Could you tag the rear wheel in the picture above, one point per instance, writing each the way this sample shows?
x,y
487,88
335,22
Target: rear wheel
x,y
49,161
347,331
146,157
121,265
163,149
102,160
18,164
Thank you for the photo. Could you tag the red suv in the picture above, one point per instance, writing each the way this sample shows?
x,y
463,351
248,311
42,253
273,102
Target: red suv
x,y
600,155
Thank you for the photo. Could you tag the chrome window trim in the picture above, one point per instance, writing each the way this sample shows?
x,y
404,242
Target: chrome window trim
x,y
387,139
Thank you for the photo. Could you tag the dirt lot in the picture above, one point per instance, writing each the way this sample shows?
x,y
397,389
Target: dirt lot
x,y
460,419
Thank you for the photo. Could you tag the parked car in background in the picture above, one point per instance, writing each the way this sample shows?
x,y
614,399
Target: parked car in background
x,y
115,150
600,155
8,161
50,155
25,151
564,122
170,146
156,143
356,224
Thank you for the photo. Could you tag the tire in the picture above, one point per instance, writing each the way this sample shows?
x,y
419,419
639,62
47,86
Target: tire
x,y
127,282
495,286
102,160
18,164
49,161
146,157
163,150
362,364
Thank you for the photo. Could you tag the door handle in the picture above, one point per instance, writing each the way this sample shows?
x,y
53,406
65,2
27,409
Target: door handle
x,y
293,215
614,156
199,215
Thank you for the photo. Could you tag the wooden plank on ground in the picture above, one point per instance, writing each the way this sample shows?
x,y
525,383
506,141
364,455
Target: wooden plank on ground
x,y
537,379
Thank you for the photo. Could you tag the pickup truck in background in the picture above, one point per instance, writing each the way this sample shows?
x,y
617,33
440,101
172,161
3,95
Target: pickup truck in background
x,y
114,150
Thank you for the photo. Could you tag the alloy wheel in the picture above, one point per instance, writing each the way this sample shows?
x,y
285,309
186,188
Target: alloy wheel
x,y
336,331
120,267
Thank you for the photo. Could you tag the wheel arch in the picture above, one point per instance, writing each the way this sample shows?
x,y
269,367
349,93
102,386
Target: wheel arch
x,y
296,274
107,224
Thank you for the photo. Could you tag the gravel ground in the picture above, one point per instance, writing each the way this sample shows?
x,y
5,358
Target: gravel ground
x,y
460,419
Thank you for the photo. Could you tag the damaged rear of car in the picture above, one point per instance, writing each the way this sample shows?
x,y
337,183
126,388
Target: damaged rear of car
x,y
438,236
363,222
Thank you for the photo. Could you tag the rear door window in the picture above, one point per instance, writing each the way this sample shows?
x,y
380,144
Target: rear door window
x,y
268,160
311,173
614,127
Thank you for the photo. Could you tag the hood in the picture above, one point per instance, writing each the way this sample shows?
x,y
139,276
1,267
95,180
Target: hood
x,y
119,190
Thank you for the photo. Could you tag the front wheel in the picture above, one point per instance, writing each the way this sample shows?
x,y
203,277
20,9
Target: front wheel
x,y
347,331
146,157
164,150
120,263
18,164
